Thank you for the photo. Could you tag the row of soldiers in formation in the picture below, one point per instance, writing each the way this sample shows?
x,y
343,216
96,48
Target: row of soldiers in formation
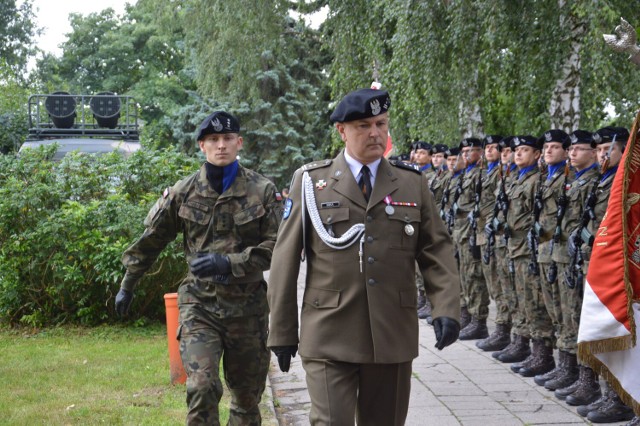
x,y
523,212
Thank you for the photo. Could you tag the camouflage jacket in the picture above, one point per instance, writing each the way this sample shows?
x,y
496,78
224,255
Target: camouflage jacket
x,y
577,196
438,185
490,186
553,188
520,217
602,202
466,203
241,223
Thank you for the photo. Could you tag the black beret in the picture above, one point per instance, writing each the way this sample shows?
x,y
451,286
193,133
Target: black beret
x,y
423,145
525,140
218,122
404,157
556,135
491,139
363,103
582,136
473,142
610,134
452,151
505,142
438,148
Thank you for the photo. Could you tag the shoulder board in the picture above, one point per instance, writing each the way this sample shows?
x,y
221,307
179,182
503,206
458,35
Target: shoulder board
x,y
405,166
317,165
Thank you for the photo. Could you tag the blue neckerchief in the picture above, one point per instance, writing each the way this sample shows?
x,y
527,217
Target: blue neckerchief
x,y
492,166
444,167
581,172
554,168
611,171
425,167
230,173
511,168
522,172
457,173
470,167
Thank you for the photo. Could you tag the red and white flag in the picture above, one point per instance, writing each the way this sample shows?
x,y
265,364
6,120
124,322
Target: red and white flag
x,y
607,339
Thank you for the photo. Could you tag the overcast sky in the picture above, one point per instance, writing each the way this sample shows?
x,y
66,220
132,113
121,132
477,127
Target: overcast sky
x,y
53,16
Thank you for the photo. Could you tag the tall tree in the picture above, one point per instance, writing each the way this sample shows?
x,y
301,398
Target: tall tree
x,y
17,34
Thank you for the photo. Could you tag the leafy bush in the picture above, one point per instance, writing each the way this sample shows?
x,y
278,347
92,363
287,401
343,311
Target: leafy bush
x,y
64,227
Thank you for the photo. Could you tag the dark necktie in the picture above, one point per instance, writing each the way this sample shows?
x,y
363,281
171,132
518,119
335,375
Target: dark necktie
x,y
365,182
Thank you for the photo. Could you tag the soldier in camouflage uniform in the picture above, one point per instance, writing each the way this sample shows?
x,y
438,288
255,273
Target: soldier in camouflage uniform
x,y
471,277
456,168
491,183
610,144
582,156
439,162
229,218
496,226
518,222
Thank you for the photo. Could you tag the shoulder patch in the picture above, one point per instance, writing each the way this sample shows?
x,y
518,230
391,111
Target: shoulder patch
x,y
317,165
405,166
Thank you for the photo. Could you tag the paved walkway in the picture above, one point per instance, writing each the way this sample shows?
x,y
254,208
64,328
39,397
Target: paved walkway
x,y
460,385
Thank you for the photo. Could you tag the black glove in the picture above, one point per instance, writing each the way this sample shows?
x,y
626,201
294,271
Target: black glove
x,y
208,265
447,331
284,354
123,302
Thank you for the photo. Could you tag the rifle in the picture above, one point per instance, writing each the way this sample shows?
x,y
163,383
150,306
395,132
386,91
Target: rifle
x,y
562,201
475,214
490,227
451,216
533,236
574,277
507,230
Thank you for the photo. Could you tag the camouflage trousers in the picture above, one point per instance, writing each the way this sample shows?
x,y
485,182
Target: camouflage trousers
x,y
495,286
240,342
472,282
529,291
571,305
551,296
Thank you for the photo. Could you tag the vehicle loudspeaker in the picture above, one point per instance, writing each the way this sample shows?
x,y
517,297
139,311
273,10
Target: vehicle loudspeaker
x,y
105,107
61,107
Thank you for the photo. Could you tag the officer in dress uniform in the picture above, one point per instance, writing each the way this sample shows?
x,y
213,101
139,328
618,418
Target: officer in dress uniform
x,y
360,222
487,205
229,218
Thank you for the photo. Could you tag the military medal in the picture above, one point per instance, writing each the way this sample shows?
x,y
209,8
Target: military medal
x,y
408,229
389,209
321,184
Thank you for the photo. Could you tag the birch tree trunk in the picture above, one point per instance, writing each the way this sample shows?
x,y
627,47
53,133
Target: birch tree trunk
x,y
469,112
564,109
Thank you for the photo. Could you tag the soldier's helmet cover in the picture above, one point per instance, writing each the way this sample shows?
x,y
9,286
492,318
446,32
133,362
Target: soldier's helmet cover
x,y
360,104
218,122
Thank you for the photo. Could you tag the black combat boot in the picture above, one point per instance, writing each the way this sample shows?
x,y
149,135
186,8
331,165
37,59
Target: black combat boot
x,y
465,317
542,363
634,421
613,411
476,329
588,389
498,340
507,348
541,379
584,410
516,366
519,352
568,375
562,393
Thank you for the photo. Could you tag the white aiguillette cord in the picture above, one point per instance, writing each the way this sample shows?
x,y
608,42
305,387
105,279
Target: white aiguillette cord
x,y
338,243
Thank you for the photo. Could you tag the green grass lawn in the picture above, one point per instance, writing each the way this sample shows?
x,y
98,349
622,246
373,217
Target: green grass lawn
x,y
111,375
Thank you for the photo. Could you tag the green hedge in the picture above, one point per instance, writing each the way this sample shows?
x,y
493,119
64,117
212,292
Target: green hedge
x,y
63,229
